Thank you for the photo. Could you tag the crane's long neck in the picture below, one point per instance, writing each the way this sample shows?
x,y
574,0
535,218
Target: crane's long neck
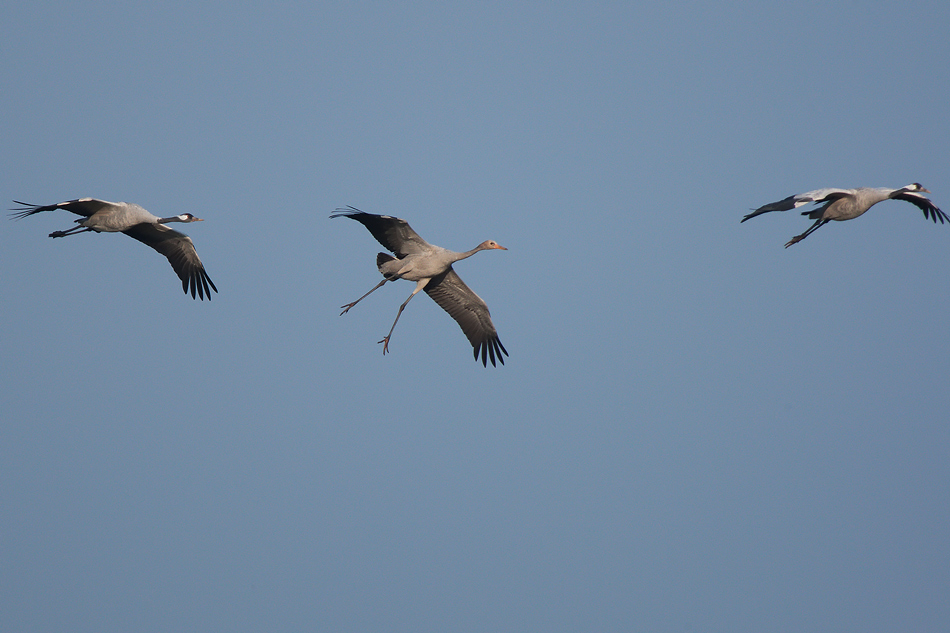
x,y
484,246
911,188
184,217
467,254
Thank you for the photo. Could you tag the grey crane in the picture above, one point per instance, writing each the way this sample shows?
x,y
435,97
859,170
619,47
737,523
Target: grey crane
x,y
430,267
847,204
131,219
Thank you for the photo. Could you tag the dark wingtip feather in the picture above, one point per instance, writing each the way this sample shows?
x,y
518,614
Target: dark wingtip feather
x,y
502,347
25,209
749,216
490,350
200,285
344,212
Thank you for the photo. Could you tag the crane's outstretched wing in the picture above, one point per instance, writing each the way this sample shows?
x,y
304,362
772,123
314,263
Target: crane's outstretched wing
x,y
471,313
82,206
181,254
923,203
394,234
798,200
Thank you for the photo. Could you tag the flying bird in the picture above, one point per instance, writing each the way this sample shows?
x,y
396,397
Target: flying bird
x,y
430,267
131,219
847,204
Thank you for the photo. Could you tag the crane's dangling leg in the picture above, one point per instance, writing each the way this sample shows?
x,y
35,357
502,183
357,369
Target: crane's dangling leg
x,y
72,231
419,286
347,307
798,238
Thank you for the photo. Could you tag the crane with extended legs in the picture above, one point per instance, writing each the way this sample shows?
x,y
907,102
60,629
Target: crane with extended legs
x,y
430,267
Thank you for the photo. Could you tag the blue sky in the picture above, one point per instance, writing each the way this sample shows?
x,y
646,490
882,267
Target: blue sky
x,y
696,430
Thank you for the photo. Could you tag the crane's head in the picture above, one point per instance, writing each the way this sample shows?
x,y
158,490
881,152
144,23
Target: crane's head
x,y
491,244
915,186
187,217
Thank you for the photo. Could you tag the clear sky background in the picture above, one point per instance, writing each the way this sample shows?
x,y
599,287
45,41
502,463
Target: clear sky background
x,y
697,429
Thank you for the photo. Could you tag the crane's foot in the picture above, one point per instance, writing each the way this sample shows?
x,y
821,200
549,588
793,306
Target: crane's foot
x,y
58,234
795,240
347,307
385,343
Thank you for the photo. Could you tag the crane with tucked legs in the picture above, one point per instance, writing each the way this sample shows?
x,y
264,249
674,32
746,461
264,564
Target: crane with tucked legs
x,y
430,267
847,204
124,217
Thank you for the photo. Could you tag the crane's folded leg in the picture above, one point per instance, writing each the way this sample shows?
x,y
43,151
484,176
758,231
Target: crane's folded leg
x,y
72,231
798,238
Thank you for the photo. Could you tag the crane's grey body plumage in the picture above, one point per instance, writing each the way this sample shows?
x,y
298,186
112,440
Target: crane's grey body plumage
x,y
103,216
430,267
847,204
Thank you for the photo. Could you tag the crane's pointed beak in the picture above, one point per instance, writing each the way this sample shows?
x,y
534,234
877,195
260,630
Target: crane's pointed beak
x,y
500,247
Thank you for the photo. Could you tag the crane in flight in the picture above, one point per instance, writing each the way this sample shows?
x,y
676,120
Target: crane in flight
x,y
430,267
847,204
112,217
